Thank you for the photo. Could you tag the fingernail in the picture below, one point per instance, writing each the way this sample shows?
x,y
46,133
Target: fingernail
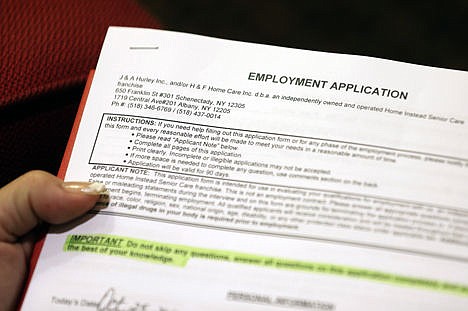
x,y
85,187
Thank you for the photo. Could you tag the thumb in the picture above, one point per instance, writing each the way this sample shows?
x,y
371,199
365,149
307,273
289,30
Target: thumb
x,y
39,196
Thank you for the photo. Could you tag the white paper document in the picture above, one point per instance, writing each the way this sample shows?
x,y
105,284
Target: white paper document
x,y
251,177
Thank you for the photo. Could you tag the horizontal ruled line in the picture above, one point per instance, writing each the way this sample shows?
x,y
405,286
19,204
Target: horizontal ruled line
x,y
144,47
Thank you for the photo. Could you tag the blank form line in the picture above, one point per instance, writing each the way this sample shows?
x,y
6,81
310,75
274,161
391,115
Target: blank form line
x,y
144,47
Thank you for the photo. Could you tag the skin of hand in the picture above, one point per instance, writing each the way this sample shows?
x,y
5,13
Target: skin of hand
x,y
25,203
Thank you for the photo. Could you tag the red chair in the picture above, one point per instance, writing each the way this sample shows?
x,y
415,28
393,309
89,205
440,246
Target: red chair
x,y
46,51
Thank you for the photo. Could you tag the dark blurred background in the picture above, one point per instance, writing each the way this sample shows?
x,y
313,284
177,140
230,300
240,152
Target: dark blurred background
x,y
423,32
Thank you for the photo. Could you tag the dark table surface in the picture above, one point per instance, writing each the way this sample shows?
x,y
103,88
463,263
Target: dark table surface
x,y
433,33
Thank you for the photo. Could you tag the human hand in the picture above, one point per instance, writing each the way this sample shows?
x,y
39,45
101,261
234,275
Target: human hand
x,y
25,203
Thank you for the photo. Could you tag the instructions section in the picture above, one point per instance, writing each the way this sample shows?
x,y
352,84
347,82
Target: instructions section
x,y
226,152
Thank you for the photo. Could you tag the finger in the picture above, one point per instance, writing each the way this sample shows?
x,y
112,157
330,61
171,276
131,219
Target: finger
x,y
39,196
